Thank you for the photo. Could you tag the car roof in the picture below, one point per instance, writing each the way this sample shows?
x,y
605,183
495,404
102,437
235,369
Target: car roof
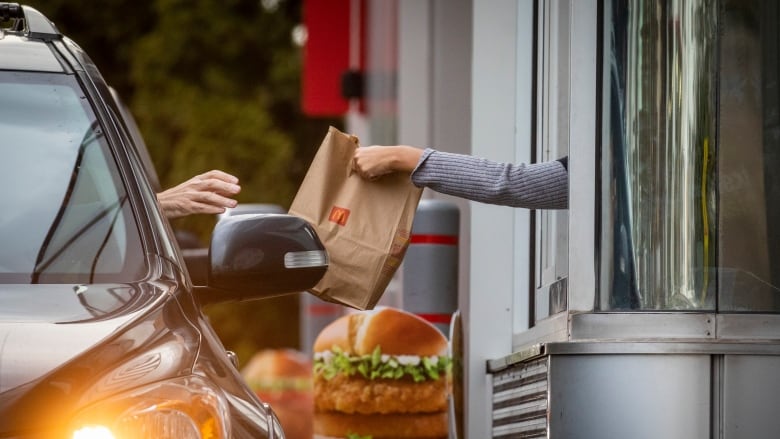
x,y
22,53
23,46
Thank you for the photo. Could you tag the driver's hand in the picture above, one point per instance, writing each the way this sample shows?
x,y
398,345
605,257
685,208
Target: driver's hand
x,y
209,193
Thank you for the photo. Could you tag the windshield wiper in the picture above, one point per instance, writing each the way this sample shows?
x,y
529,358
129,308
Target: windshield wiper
x,y
91,135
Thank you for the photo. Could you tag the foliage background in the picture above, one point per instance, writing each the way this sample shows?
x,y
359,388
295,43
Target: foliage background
x,y
213,84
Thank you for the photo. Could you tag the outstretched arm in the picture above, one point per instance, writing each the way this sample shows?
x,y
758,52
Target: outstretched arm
x,y
208,193
534,186
542,185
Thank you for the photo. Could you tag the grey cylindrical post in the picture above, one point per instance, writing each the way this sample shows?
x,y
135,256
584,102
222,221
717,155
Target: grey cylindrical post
x,y
315,315
430,268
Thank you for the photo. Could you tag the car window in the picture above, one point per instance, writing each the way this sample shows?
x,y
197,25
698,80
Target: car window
x,y
65,215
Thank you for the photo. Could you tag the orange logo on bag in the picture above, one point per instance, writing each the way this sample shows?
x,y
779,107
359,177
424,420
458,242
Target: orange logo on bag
x,y
339,215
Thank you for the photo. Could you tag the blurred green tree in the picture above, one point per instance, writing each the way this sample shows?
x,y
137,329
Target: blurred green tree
x,y
214,84
203,82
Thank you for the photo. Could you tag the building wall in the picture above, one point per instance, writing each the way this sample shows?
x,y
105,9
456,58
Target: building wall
x,y
501,130
464,85
434,92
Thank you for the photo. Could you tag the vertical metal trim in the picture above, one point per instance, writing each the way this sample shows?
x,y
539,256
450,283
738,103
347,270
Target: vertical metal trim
x,y
581,152
716,146
716,395
598,143
534,138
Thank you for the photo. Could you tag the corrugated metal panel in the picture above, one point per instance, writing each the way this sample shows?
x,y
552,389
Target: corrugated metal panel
x,y
520,400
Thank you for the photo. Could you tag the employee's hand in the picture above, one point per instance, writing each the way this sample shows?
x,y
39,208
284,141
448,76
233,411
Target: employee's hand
x,y
208,193
372,162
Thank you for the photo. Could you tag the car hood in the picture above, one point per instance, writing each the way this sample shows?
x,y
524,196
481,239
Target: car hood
x,y
71,303
74,362
44,326
31,350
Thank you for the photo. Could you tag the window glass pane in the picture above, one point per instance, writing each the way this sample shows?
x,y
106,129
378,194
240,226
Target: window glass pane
x,y
749,157
659,241
688,213
66,214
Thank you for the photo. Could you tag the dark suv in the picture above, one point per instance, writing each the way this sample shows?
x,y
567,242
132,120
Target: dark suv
x,y
101,329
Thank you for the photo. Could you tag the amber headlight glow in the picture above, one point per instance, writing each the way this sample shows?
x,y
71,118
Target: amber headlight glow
x,y
178,409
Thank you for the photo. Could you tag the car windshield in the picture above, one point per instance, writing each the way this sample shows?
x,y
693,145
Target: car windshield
x,y
65,216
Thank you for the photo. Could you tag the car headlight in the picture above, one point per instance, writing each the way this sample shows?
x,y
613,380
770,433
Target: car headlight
x,y
182,408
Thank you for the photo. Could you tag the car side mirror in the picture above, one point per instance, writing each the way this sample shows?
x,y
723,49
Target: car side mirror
x,y
262,255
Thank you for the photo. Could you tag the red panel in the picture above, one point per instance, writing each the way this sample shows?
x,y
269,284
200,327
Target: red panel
x,y
325,56
436,318
434,239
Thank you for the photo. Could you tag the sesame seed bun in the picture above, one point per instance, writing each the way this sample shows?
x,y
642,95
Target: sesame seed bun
x,y
395,331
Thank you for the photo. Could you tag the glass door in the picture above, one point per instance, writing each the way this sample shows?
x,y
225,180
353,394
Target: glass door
x,y
690,143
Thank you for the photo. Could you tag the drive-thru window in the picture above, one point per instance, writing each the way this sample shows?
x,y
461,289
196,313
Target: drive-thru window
x,y
676,335
649,307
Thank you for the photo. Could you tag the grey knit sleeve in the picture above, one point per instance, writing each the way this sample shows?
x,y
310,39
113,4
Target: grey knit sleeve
x,y
532,186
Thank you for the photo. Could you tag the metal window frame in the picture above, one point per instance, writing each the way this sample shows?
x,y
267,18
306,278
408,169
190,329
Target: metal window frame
x,y
582,132
552,135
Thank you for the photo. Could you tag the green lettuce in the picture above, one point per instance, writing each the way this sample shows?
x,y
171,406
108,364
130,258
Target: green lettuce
x,y
372,367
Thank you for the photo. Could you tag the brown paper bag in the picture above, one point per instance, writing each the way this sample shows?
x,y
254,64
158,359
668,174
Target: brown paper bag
x,y
364,225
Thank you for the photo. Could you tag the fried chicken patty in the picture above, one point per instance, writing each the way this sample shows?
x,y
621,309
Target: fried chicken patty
x,y
356,394
391,426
